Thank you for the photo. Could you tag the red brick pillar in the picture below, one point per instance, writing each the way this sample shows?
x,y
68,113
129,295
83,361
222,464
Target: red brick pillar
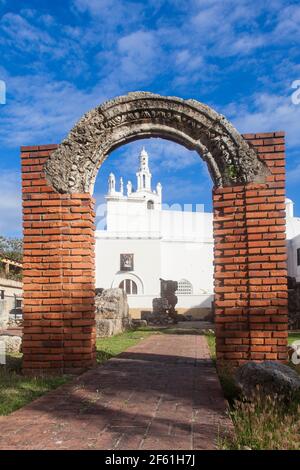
x,y
59,330
250,262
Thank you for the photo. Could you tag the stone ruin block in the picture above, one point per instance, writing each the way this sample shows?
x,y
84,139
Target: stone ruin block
x,y
112,312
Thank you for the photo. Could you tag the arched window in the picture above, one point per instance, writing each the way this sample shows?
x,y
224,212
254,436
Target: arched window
x,y
184,287
144,181
129,286
150,205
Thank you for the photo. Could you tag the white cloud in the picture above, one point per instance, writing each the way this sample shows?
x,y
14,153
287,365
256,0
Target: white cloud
x,y
98,7
139,56
287,27
164,156
228,27
10,203
188,62
247,43
270,113
45,42
112,13
231,28
18,32
40,109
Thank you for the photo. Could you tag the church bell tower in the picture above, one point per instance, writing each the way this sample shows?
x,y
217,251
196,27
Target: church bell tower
x,y
144,175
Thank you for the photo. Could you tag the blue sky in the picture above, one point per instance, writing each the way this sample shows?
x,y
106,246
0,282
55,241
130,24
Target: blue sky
x,y
59,59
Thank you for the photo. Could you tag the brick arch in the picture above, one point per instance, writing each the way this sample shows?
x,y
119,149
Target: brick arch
x,y
73,167
249,231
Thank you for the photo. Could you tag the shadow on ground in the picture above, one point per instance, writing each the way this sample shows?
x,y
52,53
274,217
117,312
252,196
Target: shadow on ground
x,y
162,393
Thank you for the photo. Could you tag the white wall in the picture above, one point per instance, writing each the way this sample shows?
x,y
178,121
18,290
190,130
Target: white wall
x,y
170,244
194,301
153,259
188,260
293,240
293,269
130,217
147,262
187,226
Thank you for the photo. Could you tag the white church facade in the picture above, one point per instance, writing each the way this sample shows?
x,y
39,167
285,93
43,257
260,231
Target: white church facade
x,y
144,241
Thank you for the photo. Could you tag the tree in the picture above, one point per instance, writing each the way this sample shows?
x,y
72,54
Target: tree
x,y
12,248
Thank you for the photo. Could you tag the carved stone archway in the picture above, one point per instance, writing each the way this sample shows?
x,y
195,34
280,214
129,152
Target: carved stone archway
x,y
249,230
74,165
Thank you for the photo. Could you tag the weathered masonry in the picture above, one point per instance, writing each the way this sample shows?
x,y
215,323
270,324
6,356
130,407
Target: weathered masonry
x,y
249,230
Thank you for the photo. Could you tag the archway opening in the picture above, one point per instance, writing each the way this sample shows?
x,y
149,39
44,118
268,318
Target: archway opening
x,y
154,221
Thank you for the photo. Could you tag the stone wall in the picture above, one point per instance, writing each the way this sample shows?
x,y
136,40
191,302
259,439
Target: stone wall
x,y
112,312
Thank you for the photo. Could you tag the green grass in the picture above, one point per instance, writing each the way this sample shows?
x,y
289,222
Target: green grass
x,y
265,422
294,337
211,340
17,390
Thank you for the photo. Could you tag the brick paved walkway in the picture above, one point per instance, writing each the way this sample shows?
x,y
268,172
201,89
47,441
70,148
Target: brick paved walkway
x,y
160,394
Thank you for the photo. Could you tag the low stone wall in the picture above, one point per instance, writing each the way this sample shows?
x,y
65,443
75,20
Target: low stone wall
x,y
112,312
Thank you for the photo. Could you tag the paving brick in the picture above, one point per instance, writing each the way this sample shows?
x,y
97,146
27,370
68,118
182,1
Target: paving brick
x,y
163,393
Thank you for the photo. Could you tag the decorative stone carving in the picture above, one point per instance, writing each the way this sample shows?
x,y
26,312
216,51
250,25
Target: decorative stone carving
x,y
73,166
